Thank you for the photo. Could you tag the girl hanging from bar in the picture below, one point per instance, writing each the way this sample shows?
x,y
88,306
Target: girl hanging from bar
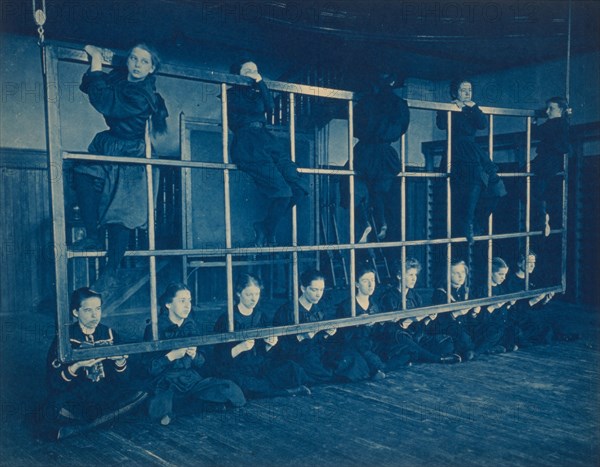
x,y
250,363
352,353
177,377
381,118
476,186
115,195
406,341
306,349
256,151
553,135
453,323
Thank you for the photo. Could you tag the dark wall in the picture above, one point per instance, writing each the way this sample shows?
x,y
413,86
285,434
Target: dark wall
x,y
27,255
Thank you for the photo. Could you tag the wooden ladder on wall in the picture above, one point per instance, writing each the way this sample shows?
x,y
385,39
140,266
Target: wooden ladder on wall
x,y
331,234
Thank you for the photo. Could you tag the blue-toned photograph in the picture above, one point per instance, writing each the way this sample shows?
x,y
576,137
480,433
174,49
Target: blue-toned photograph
x,y
343,233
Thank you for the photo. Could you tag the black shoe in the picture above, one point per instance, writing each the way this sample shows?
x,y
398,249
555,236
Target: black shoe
x,y
70,430
82,427
378,375
496,350
382,232
87,244
271,240
107,282
299,391
566,337
469,233
454,358
523,343
478,230
469,355
260,234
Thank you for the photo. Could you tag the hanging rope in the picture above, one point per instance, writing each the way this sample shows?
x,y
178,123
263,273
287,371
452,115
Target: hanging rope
x,y
39,16
568,72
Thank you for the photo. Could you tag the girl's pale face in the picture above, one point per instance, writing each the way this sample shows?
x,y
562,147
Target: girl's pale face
x,y
499,276
139,64
553,110
89,313
366,284
465,92
250,296
314,291
410,278
530,264
248,69
458,275
181,305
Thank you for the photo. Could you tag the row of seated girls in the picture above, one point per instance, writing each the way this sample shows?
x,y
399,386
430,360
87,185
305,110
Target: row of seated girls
x,y
113,196
85,394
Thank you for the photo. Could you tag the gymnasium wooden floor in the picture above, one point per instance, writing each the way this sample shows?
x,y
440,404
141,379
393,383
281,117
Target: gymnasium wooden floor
x,y
535,407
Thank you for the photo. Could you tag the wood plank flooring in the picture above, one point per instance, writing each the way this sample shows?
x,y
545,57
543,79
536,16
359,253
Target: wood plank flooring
x,y
534,407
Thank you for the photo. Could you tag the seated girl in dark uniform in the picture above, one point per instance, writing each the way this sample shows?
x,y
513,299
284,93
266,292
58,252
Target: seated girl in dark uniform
x,y
87,393
249,363
406,341
491,328
527,316
177,375
306,349
352,354
453,323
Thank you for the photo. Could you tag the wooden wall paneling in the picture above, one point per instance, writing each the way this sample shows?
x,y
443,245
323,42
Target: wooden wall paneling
x,y
27,257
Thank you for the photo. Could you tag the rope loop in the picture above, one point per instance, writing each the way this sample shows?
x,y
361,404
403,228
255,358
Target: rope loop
x,y
39,16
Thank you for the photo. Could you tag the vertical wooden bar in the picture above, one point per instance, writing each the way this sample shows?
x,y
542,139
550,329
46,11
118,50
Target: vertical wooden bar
x,y
565,194
186,194
449,208
527,197
490,249
403,216
351,214
317,197
57,198
151,235
577,151
428,267
294,212
227,199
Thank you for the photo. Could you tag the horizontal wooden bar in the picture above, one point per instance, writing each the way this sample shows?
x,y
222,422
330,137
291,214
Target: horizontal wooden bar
x,y
341,171
449,106
23,159
221,166
260,333
183,72
241,251
144,161
218,264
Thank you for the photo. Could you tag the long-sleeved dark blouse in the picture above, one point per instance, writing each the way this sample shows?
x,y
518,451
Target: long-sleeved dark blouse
x,y
248,104
125,105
